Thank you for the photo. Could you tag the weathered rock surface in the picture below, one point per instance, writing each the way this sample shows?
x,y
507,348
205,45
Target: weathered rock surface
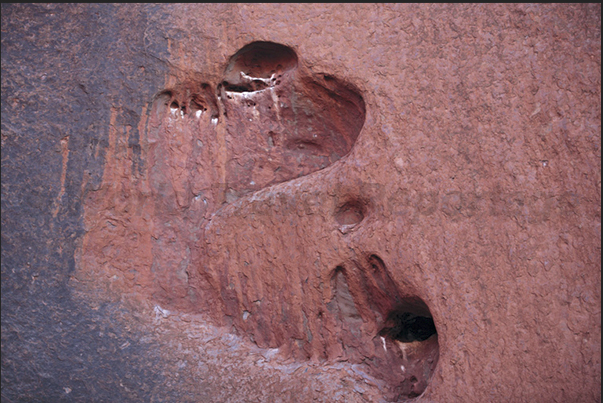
x,y
294,202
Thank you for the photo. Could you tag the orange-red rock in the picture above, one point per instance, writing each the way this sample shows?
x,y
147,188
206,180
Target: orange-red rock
x,y
364,201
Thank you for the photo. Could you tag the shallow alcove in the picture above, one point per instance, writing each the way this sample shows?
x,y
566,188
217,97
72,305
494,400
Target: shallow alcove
x,y
281,123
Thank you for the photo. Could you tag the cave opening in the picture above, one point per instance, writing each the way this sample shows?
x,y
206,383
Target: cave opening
x,y
407,326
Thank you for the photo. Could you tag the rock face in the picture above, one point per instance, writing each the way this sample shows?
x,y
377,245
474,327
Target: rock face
x,y
335,202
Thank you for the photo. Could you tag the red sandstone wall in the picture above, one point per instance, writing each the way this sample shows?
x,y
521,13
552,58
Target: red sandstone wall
x,y
309,173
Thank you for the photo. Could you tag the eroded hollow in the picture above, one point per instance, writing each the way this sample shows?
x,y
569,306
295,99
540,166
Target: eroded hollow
x,y
282,123
189,99
407,324
384,325
407,349
257,66
350,213
405,340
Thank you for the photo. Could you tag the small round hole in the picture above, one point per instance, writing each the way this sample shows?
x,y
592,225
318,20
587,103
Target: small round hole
x,y
351,213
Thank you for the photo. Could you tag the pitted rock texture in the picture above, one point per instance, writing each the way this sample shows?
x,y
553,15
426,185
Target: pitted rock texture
x,y
372,202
